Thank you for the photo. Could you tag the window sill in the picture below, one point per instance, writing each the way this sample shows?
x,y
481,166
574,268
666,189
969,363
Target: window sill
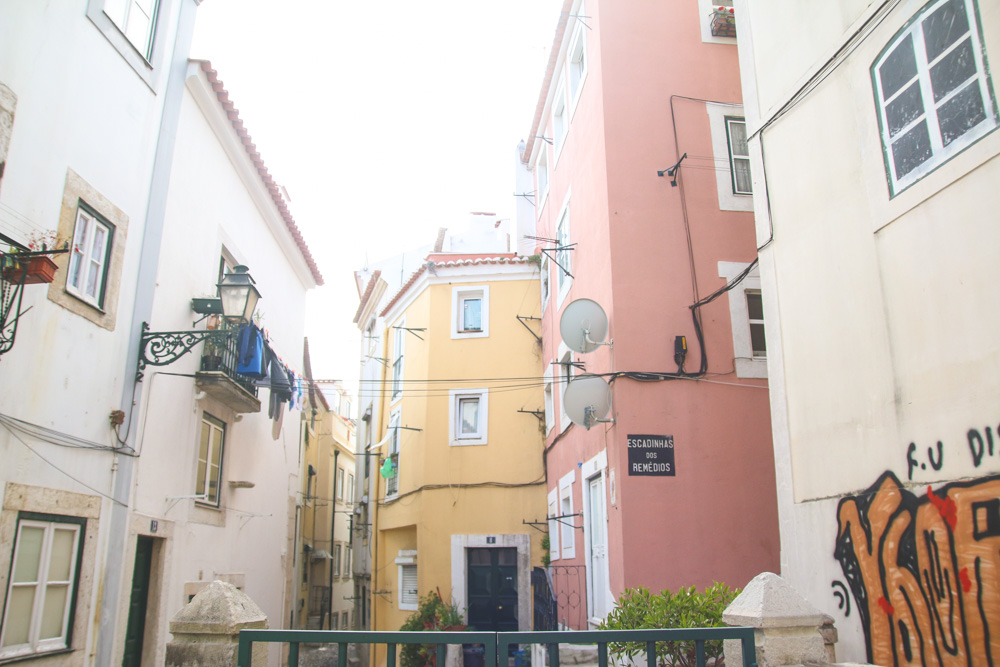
x,y
36,656
468,442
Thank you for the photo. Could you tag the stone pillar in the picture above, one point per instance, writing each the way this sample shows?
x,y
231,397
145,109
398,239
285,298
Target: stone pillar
x,y
786,626
206,631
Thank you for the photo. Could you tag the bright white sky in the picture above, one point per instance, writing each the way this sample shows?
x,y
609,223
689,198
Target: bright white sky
x,y
385,120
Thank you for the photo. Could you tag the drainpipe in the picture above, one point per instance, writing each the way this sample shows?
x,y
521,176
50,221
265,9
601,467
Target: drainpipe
x,y
333,519
149,256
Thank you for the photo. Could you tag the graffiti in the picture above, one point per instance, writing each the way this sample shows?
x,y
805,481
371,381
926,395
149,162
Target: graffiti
x,y
843,597
980,446
925,571
912,463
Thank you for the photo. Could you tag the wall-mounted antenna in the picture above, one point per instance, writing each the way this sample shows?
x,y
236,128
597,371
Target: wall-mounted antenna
x,y
413,331
530,196
583,326
545,139
522,318
580,17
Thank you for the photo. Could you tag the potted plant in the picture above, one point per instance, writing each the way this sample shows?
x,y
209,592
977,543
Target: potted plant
x,y
433,614
35,269
723,21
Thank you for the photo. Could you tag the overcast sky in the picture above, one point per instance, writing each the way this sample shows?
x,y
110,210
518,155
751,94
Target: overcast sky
x,y
384,120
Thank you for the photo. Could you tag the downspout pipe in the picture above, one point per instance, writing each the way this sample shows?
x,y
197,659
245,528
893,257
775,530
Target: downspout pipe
x,y
149,257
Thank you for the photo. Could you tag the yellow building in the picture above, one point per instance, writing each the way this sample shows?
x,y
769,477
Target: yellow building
x,y
460,470
325,587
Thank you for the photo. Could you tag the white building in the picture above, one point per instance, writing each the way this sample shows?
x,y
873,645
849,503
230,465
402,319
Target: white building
x,y
873,130
110,137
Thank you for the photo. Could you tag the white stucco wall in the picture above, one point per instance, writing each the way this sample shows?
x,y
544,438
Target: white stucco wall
x,y
880,316
214,204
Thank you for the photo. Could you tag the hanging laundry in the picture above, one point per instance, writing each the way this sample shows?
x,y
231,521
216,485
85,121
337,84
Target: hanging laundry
x,y
250,350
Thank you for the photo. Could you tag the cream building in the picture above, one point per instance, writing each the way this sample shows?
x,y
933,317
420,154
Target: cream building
x,y
876,159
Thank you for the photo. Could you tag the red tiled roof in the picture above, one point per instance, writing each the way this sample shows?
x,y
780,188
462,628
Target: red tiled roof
x,y
265,176
368,292
448,260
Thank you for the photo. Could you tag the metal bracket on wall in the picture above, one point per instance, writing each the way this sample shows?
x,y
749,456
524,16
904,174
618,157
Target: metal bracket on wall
x,y
522,318
539,414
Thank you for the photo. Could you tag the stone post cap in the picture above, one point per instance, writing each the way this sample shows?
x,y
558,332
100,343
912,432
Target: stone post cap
x,y
219,608
769,601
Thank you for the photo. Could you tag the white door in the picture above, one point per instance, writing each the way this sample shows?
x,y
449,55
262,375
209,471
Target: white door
x,y
597,568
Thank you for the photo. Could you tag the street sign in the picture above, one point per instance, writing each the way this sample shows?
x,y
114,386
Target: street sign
x,y
651,455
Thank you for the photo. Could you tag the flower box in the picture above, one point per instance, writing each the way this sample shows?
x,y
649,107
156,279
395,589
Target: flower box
x,y
39,269
723,22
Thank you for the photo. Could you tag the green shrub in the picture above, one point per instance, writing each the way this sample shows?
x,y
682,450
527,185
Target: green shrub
x,y
638,609
433,615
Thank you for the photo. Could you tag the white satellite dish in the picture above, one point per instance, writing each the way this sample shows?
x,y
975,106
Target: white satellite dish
x,y
587,400
583,325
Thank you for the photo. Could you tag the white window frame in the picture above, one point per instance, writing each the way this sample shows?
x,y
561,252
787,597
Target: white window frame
x,y
336,555
564,237
567,524
576,61
81,256
553,498
49,525
560,121
350,487
398,360
705,11
940,153
458,297
734,157
746,364
550,405
214,424
565,374
545,282
347,562
146,59
724,178
407,600
340,483
345,621
541,178
395,419
455,435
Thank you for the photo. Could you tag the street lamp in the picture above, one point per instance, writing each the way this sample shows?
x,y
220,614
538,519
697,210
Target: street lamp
x,y
236,302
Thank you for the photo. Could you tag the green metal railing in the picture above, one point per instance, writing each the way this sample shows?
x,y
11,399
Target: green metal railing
x,y
498,643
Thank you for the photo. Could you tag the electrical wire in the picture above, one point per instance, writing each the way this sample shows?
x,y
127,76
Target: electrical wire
x,y
55,437
54,466
472,485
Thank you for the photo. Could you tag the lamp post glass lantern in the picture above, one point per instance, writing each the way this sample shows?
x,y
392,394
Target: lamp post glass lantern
x,y
238,294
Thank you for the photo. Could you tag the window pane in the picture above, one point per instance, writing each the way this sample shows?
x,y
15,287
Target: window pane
x,y
54,611
905,109
911,150
206,434
953,70
61,559
472,314
17,620
29,552
945,27
755,306
738,138
899,68
741,171
961,113
757,341
469,411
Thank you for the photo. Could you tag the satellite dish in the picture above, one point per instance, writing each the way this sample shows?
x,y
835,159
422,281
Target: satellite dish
x,y
583,325
587,400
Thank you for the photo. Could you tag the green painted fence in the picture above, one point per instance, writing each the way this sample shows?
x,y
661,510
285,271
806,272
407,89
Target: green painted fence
x,y
497,643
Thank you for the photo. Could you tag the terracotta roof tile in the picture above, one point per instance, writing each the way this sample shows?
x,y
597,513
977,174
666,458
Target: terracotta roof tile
x,y
265,176
368,292
449,260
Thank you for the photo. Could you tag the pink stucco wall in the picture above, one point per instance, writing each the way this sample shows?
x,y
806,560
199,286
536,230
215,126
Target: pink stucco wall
x,y
717,518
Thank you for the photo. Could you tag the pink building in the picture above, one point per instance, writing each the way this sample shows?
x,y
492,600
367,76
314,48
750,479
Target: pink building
x,y
679,489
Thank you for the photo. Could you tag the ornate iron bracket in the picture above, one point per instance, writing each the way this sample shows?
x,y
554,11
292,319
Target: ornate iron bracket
x,y
165,347
12,282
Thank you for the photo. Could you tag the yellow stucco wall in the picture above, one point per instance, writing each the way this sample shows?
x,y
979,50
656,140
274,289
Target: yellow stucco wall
x,y
432,504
